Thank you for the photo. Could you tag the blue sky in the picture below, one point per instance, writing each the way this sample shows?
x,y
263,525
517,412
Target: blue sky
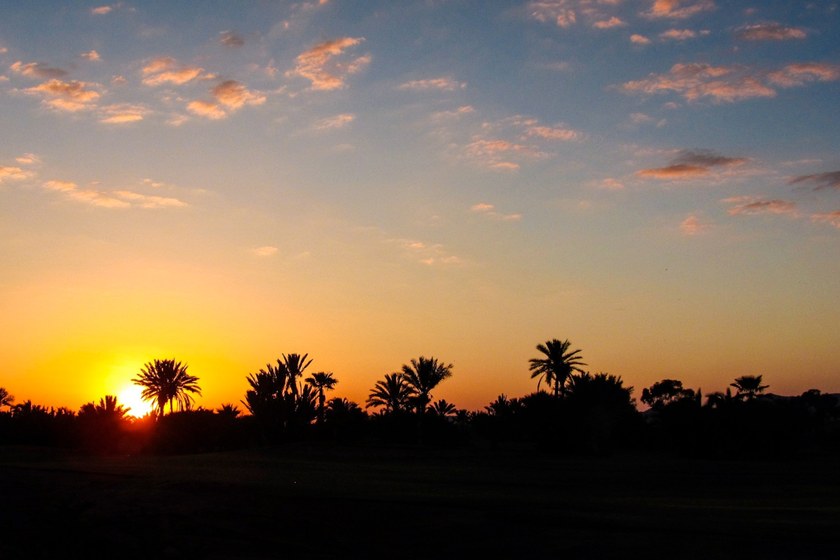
x,y
657,181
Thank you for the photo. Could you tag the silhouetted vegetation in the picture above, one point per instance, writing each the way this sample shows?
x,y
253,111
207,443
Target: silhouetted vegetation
x,y
571,412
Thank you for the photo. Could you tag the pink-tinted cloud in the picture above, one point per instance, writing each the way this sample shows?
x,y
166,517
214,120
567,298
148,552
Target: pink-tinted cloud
x,y
234,95
334,122
91,56
122,113
149,201
163,70
611,184
637,39
106,9
264,251
559,12
206,109
66,96
113,199
441,84
770,31
678,35
230,39
489,211
610,23
691,164
693,226
324,67
832,218
554,133
801,73
749,205
28,159
828,180
679,9
9,173
37,70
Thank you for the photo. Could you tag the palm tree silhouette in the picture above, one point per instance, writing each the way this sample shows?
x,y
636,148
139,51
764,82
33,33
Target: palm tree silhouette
x,y
295,365
748,386
393,393
322,381
444,409
107,408
228,410
5,398
167,381
423,375
558,365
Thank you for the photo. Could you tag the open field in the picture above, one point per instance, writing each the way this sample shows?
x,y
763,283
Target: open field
x,y
360,502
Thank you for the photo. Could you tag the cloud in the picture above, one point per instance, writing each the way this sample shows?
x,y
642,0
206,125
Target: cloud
x,y
28,159
454,114
37,70
122,113
264,251
799,74
114,199
8,173
637,39
230,39
207,109
696,81
91,56
770,31
691,164
679,9
554,133
234,95
611,184
441,84
321,64
749,205
495,153
429,255
66,96
106,9
828,180
560,12
489,211
679,34
165,69
832,218
334,122
608,23
693,226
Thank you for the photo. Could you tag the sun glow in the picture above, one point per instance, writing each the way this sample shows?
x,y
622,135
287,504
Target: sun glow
x,y
130,396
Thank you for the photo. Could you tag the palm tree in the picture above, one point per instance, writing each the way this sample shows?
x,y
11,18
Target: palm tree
x,y
423,375
558,365
228,410
322,381
393,393
748,386
444,409
167,381
5,398
107,408
295,365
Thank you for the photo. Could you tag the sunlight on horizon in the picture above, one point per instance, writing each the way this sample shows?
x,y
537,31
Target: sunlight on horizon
x,y
130,396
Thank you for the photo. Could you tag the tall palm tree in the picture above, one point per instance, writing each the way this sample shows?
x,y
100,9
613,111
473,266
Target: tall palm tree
x,y
167,381
558,365
322,381
423,375
5,398
295,365
748,386
392,393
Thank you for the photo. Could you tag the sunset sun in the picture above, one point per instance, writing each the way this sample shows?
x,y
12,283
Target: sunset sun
x,y
130,396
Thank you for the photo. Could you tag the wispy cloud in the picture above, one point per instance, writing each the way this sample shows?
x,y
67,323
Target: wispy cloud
x,y
691,164
264,251
692,225
441,84
37,70
749,205
111,199
489,211
727,84
769,31
429,255
334,122
91,56
12,173
827,180
324,66
28,159
106,9
66,96
681,34
679,9
230,39
610,23
832,218
234,95
122,113
637,39
560,12
167,70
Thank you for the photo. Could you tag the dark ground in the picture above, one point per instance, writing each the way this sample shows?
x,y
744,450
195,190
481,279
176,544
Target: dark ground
x,y
364,502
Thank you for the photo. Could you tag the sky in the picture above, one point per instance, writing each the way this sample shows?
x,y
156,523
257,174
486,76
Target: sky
x,y
222,183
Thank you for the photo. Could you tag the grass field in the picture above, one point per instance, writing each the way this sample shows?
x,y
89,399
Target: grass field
x,y
370,502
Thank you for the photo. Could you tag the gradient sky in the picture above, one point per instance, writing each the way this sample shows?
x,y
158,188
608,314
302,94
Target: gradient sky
x,y
367,182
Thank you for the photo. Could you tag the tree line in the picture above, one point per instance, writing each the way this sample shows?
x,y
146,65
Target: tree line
x,y
571,411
